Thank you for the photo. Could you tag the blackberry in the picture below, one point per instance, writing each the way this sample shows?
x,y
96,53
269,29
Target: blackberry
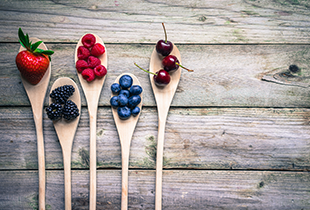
x,y
54,111
61,94
70,110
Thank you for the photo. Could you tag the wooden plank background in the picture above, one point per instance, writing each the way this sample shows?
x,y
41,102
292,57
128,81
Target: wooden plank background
x,y
234,139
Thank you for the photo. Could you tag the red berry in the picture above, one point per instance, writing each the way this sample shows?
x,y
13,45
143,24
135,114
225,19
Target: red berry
x,y
82,53
100,71
97,50
81,65
93,61
88,40
88,74
32,66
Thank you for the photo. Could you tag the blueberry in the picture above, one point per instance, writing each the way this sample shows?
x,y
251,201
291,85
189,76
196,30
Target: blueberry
x,y
122,100
135,111
114,101
123,112
125,81
135,90
125,92
115,87
134,101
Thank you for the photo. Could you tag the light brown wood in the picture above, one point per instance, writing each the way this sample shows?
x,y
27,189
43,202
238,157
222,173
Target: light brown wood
x,y
92,92
125,129
36,94
163,98
66,131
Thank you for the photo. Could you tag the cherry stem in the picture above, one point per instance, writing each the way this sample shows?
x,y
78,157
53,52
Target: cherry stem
x,y
184,67
165,32
145,70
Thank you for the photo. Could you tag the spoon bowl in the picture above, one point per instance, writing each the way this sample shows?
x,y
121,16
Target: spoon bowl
x,y
36,94
163,98
92,92
125,130
66,131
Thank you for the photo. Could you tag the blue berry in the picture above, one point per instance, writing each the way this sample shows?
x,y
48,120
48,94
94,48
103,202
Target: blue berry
x,y
122,100
134,100
135,90
123,112
114,101
125,81
125,92
115,88
135,111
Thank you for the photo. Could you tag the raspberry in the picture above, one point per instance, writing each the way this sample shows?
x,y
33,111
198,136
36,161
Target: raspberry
x,y
81,65
83,53
70,110
61,94
97,50
54,111
93,61
100,71
88,74
88,40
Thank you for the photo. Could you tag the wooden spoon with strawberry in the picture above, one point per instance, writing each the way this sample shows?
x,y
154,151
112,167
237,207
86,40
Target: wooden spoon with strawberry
x,y
35,68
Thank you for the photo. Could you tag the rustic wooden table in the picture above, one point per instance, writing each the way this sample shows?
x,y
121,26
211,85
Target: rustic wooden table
x,y
237,133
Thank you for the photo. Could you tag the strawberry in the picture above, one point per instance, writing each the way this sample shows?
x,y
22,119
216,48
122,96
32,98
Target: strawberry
x,y
32,62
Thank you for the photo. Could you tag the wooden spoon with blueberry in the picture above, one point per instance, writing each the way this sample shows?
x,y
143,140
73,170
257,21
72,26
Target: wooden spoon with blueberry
x,y
126,102
64,110
91,66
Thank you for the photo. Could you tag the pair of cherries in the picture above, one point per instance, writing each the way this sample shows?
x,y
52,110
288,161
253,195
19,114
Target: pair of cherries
x,y
169,62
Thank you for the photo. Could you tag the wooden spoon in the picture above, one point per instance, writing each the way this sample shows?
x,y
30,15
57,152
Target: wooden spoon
x,y
92,92
125,130
163,97
36,94
65,131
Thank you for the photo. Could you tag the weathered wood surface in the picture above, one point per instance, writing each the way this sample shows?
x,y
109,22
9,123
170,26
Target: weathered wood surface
x,y
196,138
236,137
181,190
123,21
224,75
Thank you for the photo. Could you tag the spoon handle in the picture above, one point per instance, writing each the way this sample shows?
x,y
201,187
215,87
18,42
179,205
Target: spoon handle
x,y
159,163
41,160
92,155
125,162
67,172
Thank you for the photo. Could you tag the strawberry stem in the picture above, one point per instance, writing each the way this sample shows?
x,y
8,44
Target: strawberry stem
x,y
184,67
145,70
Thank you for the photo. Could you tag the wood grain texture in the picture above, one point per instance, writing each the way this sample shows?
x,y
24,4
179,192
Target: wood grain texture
x,y
182,190
224,75
194,21
195,138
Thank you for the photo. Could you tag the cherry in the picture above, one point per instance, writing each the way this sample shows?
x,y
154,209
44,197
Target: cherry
x,y
164,47
161,77
171,64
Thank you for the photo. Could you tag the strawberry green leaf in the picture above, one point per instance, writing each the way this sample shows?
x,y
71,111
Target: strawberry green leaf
x,y
22,38
48,52
38,50
35,45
